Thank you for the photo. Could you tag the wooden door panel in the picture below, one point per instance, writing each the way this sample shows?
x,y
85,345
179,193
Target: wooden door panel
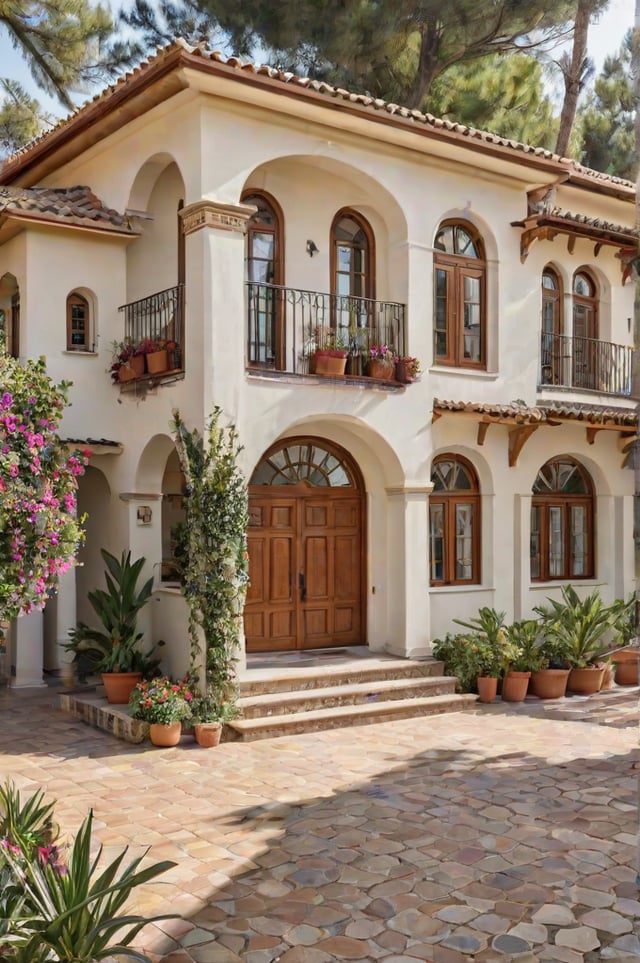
x,y
316,567
347,568
270,611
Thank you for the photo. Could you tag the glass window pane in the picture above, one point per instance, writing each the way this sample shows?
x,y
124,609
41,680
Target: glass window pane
x,y
549,281
578,540
534,546
465,245
556,542
436,542
471,289
464,542
262,246
344,258
444,240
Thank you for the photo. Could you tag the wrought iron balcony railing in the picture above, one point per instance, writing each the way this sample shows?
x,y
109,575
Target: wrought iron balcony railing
x,y
285,326
585,363
158,318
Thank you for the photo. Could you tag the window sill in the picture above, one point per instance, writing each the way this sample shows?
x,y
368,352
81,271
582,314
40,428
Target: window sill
x,y
150,381
80,353
458,589
464,372
589,582
324,381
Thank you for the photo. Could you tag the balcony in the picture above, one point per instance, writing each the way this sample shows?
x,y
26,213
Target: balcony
x,y
157,320
585,364
286,326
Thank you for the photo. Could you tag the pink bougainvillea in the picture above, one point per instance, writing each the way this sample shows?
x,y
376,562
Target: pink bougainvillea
x,y
39,531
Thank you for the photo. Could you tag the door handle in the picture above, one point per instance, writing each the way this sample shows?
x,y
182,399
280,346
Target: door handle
x,y
302,585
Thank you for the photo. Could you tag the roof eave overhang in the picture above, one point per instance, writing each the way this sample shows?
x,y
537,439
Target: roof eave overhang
x,y
23,219
167,75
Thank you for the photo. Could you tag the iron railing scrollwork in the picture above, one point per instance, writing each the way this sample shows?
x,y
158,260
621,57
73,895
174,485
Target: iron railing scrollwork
x,y
585,363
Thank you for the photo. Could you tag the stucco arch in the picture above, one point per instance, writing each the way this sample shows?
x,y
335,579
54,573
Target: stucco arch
x,y
482,227
152,464
146,178
601,485
478,461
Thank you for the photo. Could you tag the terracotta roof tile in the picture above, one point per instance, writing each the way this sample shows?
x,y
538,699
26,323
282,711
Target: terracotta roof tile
x,y
526,414
336,93
596,222
67,205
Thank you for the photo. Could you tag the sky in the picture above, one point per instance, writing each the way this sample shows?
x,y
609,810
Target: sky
x,y
605,37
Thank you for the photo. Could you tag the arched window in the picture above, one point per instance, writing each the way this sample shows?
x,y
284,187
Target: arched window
x,y
562,512
585,331
459,293
265,274
306,462
454,522
78,323
552,341
352,273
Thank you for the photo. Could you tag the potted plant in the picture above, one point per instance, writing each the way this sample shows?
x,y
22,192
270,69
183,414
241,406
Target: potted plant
x,y
164,705
127,362
209,715
330,358
549,681
624,657
407,370
579,627
524,656
482,653
117,650
155,354
381,363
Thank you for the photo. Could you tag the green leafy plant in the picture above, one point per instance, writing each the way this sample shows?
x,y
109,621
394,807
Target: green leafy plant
x,y
468,655
161,701
579,627
525,652
208,708
216,560
118,647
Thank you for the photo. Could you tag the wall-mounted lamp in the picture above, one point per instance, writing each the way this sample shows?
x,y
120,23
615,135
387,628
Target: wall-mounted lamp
x,y
312,248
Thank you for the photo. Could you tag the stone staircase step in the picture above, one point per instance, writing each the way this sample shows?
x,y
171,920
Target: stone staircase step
x,y
319,677
340,716
357,693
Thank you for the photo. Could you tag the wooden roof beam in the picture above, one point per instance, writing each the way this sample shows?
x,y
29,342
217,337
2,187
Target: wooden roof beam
x,y
518,437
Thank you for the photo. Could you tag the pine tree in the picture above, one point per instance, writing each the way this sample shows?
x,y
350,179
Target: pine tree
x,y
606,122
21,116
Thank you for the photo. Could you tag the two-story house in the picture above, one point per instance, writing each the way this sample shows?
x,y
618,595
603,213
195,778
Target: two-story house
x,y
246,217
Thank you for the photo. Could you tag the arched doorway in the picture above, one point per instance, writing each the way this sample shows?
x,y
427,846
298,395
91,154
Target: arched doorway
x,y
306,549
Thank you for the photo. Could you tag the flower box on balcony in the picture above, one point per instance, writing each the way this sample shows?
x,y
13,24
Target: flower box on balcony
x,y
157,361
328,362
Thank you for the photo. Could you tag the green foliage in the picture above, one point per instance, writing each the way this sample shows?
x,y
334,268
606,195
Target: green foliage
x,y
578,626
161,701
117,649
525,646
606,121
208,708
39,530
21,117
27,825
489,623
501,93
473,654
216,565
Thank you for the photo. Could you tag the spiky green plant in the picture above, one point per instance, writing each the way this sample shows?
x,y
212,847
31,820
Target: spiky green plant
x,y
578,627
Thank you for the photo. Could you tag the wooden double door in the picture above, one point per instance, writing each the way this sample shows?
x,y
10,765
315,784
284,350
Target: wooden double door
x,y
306,569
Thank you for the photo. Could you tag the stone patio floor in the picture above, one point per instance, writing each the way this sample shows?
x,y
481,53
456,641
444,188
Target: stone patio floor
x,y
500,834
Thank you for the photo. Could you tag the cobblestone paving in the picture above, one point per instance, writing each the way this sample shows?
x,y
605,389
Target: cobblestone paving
x,y
487,836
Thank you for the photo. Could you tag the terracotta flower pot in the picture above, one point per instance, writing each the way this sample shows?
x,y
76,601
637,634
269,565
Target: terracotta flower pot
x,y
626,668
157,361
514,686
133,368
586,681
549,683
165,735
380,369
208,734
487,688
402,373
329,365
118,686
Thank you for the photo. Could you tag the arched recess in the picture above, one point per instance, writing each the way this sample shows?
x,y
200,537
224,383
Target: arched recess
x,y
265,272
10,314
81,316
94,495
307,542
585,330
152,464
173,516
460,296
154,259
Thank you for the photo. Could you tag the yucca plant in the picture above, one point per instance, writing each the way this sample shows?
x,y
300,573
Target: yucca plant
x,y
578,627
25,825
525,646
70,914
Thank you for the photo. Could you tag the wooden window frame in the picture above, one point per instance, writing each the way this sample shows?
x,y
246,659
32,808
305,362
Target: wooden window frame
x,y
457,268
565,501
280,347
370,268
552,347
74,299
449,500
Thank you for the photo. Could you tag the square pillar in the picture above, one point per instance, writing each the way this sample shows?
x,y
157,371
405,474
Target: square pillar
x,y
407,571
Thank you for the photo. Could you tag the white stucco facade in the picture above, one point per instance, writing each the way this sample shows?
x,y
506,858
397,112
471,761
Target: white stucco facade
x,y
220,137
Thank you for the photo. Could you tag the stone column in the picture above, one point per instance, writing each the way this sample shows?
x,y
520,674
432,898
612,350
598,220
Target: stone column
x,y
408,572
27,651
66,618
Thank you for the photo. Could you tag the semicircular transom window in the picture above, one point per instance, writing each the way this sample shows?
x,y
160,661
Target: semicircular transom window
x,y
305,462
562,522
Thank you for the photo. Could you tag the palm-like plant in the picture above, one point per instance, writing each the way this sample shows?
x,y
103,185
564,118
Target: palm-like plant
x,y
71,915
578,626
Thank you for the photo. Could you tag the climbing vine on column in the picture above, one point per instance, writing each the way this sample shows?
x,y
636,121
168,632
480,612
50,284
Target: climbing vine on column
x,y
215,572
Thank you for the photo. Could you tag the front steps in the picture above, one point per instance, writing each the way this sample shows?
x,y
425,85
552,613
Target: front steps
x,y
375,690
